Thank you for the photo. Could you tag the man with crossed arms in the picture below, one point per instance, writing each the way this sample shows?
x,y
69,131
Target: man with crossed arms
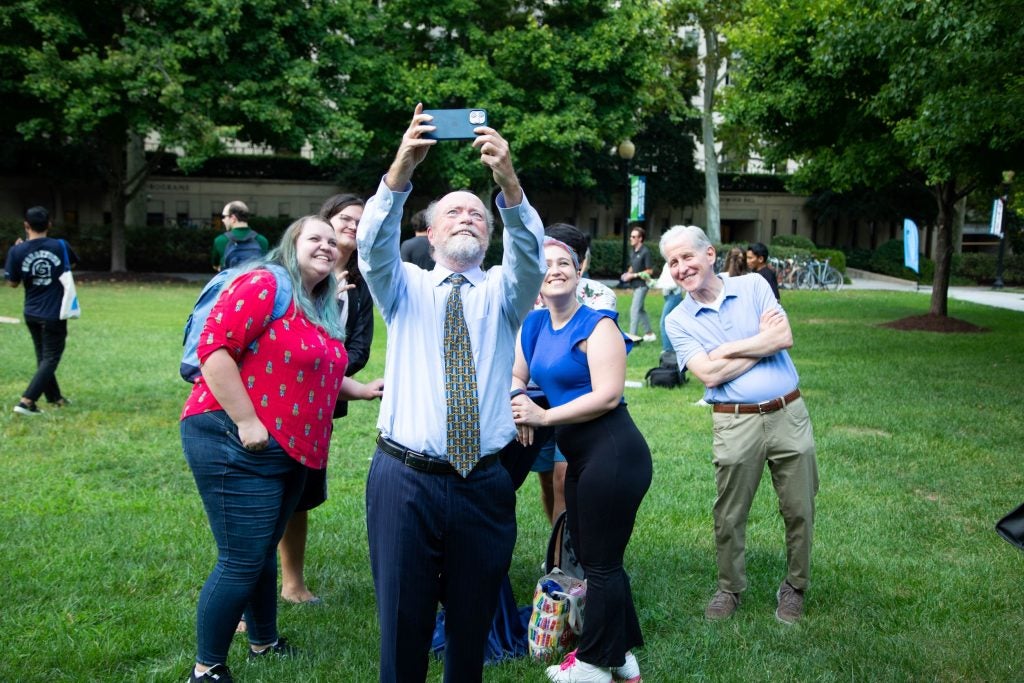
x,y
440,507
732,334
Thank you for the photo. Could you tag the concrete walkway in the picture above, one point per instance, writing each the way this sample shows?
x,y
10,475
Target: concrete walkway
x,y
1000,298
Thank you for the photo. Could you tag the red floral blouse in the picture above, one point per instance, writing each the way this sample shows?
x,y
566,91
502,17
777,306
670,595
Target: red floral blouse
x,y
293,374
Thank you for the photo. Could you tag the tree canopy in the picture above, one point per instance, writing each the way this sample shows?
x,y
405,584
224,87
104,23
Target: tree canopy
x,y
877,93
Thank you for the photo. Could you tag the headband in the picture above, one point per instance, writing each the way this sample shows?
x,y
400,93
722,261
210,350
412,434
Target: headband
x,y
551,241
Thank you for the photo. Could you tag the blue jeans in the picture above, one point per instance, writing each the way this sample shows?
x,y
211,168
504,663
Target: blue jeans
x,y
671,301
48,337
249,497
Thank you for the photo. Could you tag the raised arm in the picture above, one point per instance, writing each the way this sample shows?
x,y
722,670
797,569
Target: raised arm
x,y
411,152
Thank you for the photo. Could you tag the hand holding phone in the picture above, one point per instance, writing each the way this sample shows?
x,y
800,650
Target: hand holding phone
x,y
455,124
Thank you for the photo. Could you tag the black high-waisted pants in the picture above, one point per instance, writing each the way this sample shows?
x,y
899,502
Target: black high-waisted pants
x,y
608,475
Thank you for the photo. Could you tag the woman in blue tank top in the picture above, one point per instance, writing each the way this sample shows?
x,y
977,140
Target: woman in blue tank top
x,y
577,355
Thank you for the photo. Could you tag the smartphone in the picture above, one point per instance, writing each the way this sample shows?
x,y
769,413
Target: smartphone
x,y
455,124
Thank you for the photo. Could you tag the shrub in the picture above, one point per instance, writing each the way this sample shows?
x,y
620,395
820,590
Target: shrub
x,y
858,258
981,268
797,241
888,260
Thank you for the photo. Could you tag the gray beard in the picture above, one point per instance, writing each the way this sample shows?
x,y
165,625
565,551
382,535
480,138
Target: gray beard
x,y
462,251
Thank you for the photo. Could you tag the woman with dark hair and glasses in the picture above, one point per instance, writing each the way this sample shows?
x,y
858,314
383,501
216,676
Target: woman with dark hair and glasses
x,y
355,310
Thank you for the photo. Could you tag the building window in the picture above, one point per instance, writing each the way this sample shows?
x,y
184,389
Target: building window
x,y
794,226
155,213
284,210
775,226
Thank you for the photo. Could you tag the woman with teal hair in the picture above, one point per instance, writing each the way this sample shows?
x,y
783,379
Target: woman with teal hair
x,y
256,421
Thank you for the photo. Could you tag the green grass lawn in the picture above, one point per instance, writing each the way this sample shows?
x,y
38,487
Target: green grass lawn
x,y
105,543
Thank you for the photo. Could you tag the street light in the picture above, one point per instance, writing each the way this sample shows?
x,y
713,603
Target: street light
x,y
1007,181
626,150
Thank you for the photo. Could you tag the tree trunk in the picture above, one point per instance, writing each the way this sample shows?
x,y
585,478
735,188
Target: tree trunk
x,y
946,198
711,198
115,188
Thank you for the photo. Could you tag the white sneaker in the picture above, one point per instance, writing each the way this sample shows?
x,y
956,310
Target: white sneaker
x,y
629,672
573,670
649,337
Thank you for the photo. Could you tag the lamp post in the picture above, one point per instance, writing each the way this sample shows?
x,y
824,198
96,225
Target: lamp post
x,y
626,150
1007,181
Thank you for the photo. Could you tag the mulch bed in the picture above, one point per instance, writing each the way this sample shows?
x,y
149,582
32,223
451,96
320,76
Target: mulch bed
x,y
935,323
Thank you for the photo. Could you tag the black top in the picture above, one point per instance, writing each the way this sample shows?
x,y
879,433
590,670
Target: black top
x,y
38,264
358,335
639,261
417,250
768,274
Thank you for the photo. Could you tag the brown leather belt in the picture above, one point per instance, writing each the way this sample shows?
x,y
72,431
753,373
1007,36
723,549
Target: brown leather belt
x,y
758,408
424,462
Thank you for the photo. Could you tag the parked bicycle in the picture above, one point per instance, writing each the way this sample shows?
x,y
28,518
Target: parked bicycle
x,y
819,275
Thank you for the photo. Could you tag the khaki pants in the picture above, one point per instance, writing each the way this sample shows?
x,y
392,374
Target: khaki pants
x,y
742,444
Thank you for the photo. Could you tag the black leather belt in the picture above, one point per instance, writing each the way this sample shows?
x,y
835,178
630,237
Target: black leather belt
x,y
424,462
758,408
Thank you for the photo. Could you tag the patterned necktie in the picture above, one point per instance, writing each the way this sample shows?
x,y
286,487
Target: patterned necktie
x,y
460,384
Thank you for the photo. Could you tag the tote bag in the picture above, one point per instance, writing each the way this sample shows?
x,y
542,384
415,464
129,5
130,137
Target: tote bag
x,y
69,307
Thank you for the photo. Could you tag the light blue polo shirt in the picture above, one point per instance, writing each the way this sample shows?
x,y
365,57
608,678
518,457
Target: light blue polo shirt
x,y
698,328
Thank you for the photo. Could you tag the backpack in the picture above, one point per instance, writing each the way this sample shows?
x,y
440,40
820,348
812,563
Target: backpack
x,y
189,369
241,249
667,374
561,554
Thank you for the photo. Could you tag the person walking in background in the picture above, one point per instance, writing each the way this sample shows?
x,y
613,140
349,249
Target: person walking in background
x,y
577,356
239,243
757,262
257,419
641,268
343,212
735,263
416,249
38,261
673,297
733,335
440,509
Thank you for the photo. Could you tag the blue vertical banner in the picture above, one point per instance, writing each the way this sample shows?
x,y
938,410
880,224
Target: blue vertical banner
x,y
637,197
910,247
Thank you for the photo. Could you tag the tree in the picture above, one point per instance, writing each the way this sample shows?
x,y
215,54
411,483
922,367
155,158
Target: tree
x,y
190,74
563,81
873,93
711,18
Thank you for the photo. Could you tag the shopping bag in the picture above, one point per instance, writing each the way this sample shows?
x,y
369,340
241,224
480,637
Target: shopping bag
x,y
557,617
69,307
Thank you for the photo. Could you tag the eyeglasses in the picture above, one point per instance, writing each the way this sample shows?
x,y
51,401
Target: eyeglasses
x,y
225,216
346,219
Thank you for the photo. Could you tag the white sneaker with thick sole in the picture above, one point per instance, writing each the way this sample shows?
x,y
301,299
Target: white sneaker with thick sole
x,y
573,670
629,672
649,337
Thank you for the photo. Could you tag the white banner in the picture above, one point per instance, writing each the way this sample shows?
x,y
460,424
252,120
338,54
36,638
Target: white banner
x,y
996,227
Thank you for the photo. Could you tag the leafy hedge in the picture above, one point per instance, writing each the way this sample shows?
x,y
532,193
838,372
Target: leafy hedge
x,y
170,249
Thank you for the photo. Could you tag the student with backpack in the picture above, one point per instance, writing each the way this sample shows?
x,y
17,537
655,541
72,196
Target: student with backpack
x,y
239,244
259,415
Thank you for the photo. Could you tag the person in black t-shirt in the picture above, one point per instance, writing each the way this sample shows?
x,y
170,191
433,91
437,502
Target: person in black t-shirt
x,y
417,249
757,262
38,261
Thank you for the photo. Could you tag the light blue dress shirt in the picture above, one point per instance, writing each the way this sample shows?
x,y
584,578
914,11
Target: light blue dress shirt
x,y
412,302
695,328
